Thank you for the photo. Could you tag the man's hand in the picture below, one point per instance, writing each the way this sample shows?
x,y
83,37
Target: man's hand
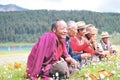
x,y
85,55
72,61
104,53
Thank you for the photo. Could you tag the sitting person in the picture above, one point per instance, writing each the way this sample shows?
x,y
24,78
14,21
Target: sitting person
x,y
90,35
105,44
72,30
44,58
80,44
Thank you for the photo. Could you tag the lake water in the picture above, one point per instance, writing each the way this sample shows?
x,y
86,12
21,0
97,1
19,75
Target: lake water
x,y
9,48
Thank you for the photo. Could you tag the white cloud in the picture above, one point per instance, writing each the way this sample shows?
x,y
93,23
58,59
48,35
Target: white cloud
x,y
110,6
93,5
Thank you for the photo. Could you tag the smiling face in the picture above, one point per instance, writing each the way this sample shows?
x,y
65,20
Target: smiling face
x,y
61,29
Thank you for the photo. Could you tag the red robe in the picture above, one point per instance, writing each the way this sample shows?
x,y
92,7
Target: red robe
x,y
44,53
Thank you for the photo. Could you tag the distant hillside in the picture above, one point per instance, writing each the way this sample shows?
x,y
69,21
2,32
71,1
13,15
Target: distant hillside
x,y
27,26
11,7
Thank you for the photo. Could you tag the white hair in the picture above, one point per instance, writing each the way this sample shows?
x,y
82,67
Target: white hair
x,y
71,24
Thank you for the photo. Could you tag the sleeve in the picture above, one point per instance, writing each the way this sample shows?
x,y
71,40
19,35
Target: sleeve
x,y
44,48
89,50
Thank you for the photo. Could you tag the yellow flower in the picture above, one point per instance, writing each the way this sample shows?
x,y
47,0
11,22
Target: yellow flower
x,y
25,75
17,65
9,67
39,78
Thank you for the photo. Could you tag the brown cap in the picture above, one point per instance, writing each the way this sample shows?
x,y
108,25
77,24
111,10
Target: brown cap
x,y
105,35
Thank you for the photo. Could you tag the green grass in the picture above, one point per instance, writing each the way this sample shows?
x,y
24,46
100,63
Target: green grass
x,y
95,67
11,74
111,65
8,73
16,44
15,52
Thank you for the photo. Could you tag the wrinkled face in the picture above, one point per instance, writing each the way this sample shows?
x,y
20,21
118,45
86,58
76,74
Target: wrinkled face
x,y
105,40
72,31
61,30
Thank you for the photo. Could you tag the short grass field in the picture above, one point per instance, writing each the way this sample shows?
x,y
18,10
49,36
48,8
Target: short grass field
x,y
109,69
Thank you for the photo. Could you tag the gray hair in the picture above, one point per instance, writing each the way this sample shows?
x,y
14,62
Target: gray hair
x,y
71,24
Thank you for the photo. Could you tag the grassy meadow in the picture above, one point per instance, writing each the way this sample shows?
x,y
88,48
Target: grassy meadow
x,y
15,70
109,69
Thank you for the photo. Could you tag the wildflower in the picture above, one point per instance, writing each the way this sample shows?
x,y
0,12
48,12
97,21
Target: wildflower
x,y
101,76
17,65
26,75
39,78
9,67
9,76
0,76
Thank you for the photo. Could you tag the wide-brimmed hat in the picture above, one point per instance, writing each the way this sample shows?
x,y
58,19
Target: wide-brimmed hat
x,y
80,24
105,35
90,28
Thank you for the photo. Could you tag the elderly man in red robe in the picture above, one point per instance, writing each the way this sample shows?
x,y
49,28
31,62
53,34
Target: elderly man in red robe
x,y
47,51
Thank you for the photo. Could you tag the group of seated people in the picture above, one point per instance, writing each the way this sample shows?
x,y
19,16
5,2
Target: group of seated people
x,y
84,44
59,52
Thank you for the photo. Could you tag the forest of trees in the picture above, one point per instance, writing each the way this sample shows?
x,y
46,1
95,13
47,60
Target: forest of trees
x,y
27,26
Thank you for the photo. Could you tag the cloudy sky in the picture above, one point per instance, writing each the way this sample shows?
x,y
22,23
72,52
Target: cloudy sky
x,y
93,5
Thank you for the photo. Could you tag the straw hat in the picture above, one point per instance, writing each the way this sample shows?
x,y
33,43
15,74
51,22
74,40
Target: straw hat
x,y
90,28
105,35
81,24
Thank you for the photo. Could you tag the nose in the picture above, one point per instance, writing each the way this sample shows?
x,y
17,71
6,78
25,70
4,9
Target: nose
x,y
76,31
84,30
65,30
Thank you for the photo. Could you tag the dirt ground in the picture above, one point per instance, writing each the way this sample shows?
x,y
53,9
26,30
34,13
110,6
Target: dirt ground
x,y
10,58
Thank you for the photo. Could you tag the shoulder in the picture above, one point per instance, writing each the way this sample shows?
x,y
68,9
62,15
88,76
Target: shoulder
x,y
73,38
48,35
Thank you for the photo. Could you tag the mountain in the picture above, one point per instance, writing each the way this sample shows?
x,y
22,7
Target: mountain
x,y
11,7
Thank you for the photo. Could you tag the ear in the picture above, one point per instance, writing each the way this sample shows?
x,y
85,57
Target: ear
x,y
54,30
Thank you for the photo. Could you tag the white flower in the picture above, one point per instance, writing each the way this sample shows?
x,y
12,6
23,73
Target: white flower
x,y
113,72
101,76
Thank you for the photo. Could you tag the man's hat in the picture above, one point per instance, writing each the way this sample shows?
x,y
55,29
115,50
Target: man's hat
x,y
90,28
105,35
81,24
